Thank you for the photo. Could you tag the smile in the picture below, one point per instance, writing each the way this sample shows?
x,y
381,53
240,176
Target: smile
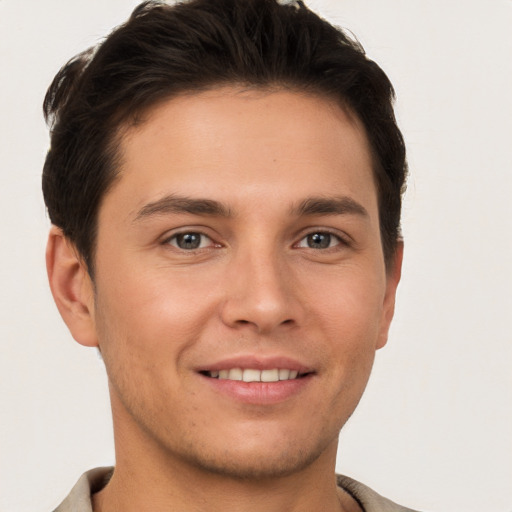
x,y
254,375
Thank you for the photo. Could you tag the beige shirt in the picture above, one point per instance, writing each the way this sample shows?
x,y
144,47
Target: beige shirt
x,y
79,499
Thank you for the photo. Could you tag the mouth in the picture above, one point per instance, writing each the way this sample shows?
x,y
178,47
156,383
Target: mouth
x,y
258,381
255,375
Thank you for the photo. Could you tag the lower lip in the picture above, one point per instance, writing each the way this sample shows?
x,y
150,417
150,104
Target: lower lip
x,y
260,393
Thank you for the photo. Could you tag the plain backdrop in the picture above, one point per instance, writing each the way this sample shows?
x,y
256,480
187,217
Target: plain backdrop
x,y
434,430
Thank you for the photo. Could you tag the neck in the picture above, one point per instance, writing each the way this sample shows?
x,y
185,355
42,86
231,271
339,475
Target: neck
x,y
150,478
290,494
148,482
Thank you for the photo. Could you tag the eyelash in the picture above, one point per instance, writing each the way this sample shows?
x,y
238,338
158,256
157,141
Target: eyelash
x,y
175,237
341,241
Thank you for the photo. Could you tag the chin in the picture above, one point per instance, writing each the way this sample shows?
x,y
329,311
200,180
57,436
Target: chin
x,y
248,459
256,469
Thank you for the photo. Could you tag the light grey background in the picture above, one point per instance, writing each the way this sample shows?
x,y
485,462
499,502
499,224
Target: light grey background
x,y
434,430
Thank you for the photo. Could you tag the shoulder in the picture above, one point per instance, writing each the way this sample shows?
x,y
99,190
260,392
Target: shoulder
x,y
369,499
79,499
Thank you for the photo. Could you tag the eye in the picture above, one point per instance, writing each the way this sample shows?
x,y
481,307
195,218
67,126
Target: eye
x,y
190,241
320,240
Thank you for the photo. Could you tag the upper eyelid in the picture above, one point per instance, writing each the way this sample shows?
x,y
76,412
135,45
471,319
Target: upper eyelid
x,y
167,241
203,230
341,241
171,233
341,235
178,233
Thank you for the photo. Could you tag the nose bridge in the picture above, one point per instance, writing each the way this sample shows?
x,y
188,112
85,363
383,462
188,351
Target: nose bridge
x,y
259,290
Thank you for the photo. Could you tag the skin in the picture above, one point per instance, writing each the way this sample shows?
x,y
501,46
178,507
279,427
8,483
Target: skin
x,y
256,287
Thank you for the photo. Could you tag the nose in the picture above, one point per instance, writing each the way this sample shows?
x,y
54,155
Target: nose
x,y
261,294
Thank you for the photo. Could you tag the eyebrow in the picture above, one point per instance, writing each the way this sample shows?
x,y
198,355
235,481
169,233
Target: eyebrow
x,y
181,204
310,206
330,206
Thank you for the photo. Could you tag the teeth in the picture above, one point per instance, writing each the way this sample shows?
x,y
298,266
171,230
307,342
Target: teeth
x,y
284,374
253,375
235,374
270,375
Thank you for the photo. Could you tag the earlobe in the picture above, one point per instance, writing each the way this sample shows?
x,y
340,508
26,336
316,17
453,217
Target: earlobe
x,y
71,287
393,275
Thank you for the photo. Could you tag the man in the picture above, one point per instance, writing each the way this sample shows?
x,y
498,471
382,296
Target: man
x,y
224,183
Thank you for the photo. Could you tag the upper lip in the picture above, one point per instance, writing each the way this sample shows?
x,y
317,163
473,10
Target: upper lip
x,y
257,363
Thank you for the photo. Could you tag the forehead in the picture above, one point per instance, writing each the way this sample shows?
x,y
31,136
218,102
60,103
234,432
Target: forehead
x,y
241,143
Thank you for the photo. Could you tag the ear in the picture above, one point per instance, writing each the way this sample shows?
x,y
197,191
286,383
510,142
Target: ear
x,y
393,274
71,287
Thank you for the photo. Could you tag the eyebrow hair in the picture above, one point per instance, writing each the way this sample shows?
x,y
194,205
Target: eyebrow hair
x,y
330,206
180,204
310,206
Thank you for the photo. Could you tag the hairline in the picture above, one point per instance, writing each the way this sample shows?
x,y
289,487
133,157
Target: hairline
x,y
131,120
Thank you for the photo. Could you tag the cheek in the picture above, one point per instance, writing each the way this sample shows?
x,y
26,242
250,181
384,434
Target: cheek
x,y
350,305
349,318
154,305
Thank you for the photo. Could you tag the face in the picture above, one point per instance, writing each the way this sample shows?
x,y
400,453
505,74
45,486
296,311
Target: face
x,y
241,242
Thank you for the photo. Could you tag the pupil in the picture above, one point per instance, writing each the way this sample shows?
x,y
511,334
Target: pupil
x,y
189,241
319,240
